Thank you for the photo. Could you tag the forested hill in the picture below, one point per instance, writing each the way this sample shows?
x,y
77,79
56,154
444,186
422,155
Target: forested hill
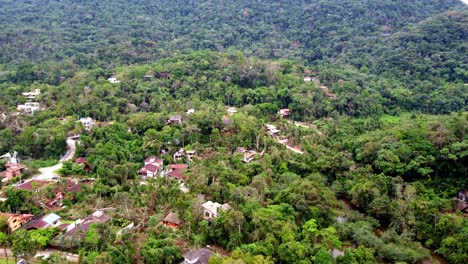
x,y
99,33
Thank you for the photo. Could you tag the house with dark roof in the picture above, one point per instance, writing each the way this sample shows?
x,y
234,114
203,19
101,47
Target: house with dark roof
x,y
76,231
176,171
33,185
50,220
201,256
174,119
151,168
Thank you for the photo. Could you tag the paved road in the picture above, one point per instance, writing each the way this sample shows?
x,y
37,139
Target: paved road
x,y
49,172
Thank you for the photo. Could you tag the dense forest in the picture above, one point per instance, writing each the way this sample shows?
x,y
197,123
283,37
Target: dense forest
x,y
366,167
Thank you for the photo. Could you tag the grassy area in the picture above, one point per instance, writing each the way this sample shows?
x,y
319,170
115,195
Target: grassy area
x,y
10,261
41,163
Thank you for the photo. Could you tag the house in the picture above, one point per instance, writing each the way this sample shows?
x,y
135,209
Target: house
x,y
73,186
113,79
81,226
249,155
211,210
16,221
151,168
179,154
32,95
172,220
87,122
175,119
12,170
284,113
227,121
307,79
55,202
87,166
163,75
148,77
232,110
29,107
50,220
176,171
190,111
272,130
33,185
190,154
201,256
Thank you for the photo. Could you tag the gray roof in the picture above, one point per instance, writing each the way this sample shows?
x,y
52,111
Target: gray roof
x,y
200,256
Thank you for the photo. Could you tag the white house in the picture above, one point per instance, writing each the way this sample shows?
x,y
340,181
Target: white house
x,y
32,95
29,107
190,111
113,79
232,110
151,168
210,209
87,122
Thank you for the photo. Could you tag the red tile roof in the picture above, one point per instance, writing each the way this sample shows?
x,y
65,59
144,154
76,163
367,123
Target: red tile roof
x,y
177,171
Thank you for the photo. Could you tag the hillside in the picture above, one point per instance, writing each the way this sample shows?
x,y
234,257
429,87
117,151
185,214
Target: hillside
x,y
123,32
247,132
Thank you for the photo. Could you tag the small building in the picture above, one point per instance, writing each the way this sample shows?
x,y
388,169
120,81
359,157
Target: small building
x,y
12,170
284,113
211,210
176,171
190,111
232,110
29,107
272,130
249,155
75,232
50,220
201,256
82,160
87,122
227,121
172,220
307,79
32,95
33,185
113,79
16,221
190,154
175,119
151,168
179,154
163,75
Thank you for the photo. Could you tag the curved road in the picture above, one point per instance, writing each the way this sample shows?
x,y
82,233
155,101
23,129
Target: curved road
x,y
48,173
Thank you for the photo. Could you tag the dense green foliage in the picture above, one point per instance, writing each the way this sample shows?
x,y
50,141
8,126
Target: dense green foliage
x,y
383,139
